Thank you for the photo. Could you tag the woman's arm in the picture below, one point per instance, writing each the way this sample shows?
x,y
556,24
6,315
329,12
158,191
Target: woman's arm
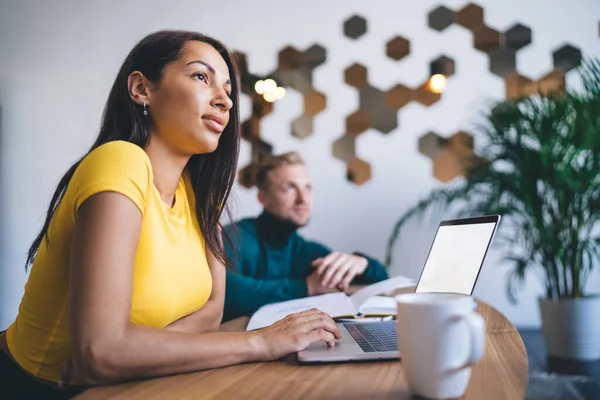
x,y
106,347
208,318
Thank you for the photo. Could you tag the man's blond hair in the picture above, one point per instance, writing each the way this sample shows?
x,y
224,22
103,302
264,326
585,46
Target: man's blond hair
x,y
271,162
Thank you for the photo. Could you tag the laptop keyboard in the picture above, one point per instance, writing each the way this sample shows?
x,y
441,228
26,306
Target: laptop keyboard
x,y
374,336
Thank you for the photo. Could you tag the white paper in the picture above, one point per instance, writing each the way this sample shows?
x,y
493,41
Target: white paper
x,y
397,282
379,305
331,303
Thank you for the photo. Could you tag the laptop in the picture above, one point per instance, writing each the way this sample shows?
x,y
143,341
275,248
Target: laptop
x,y
452,266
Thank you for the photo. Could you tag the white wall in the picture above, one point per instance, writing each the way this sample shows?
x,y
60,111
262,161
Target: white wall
x,y
59,58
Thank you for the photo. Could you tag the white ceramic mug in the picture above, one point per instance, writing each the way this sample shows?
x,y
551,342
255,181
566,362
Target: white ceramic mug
x,y
440,336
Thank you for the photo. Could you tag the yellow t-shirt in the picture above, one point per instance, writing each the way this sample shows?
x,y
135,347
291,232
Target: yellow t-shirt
x,y
171,274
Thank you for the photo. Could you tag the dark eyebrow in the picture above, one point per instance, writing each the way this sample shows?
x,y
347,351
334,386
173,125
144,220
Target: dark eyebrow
x,y
210,68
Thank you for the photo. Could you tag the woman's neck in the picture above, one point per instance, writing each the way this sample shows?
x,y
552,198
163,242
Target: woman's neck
x,y
167,168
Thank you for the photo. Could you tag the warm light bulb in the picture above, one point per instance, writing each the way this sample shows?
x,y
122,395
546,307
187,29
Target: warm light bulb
x,y
270,96
437,83
269,85
280,92
259,87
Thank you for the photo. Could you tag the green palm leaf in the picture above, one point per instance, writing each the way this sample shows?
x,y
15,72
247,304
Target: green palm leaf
x,y
539,169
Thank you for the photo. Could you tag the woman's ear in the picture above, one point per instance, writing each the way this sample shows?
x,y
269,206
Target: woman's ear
x,y
138,88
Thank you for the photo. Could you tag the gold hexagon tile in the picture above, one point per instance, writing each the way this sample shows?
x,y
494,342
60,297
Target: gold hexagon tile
x,y
356,75
470,17
344,148
302,127
451,157
358,122
552,82
423,95
260,149
358,171
447,167
431,145
314,102
289,58
398,96
518,86
250,129
397,48
460,143
486,39
247,175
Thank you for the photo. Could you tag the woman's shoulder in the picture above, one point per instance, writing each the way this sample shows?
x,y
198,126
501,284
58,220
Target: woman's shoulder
x,y
118,150
117,166
116,157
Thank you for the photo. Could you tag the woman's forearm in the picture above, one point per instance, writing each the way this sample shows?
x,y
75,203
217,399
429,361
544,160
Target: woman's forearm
x,y
144,352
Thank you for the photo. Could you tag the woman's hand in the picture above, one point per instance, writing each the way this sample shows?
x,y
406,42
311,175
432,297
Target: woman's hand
x,y
296,332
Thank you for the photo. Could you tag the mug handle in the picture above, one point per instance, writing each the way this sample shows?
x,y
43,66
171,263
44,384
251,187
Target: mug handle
x,y
477,333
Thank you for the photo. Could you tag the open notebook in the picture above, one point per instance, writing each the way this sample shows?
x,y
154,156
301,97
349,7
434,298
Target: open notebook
x,y
362,303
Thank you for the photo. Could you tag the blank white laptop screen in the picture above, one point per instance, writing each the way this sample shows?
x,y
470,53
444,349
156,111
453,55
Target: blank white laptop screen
x,y
456,256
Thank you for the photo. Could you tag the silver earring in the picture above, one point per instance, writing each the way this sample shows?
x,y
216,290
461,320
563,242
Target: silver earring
x,y
145,111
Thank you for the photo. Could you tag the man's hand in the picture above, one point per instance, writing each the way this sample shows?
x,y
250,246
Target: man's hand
x,y
337,270
314,286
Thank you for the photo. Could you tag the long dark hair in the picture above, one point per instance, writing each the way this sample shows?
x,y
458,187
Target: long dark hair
x,y
211,175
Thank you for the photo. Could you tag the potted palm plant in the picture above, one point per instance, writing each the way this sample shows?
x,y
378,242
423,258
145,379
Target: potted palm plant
x,y
539,168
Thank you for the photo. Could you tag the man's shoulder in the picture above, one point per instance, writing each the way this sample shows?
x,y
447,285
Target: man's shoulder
x,y
244,226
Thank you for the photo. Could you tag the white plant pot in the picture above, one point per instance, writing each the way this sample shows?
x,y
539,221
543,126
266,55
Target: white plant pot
x,y
572,327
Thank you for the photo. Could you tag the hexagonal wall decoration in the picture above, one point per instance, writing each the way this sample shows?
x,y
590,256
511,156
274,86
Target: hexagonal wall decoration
x,y
355,75
503,62
442,65
385,120
344,148
302,126
289,58
451,157
552,82
314,56
486,39
423,95
502,49
358,171
358,122
355,27
518,86
517,37
295,70
431,145
314,102
440,18
397,48
371,99
470,17
398,96
250,129
566,58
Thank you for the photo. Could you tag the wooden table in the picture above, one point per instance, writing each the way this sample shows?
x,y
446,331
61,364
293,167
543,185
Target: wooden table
x,y
501,374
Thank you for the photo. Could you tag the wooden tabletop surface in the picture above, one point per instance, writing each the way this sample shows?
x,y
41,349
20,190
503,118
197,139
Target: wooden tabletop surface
x,y
502,373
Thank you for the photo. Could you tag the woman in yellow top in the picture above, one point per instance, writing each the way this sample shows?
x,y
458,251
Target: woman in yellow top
x,y
128,271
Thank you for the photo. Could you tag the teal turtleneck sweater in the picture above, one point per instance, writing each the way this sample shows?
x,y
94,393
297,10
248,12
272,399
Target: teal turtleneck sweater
x,y
271,262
